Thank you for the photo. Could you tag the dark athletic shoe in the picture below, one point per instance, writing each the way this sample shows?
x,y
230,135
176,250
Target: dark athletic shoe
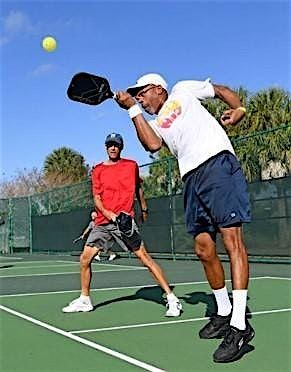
x,y
230,348
217,327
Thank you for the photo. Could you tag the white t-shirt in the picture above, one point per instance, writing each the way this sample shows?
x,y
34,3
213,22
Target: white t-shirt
x,y
191,133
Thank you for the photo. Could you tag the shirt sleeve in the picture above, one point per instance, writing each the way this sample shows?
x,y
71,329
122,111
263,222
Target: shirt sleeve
x,y
138,179
96,184
199,89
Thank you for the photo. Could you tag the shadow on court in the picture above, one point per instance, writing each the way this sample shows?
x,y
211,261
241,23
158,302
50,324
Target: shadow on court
x,y
195,298
153,294
6,266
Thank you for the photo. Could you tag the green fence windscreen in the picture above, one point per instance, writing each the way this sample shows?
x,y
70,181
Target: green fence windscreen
x,y
51,220
56,232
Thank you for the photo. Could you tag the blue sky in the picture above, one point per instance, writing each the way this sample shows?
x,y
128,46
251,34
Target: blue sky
x,y
236,43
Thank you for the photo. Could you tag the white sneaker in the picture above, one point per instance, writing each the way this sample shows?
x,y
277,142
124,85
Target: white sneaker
x,y
111,257
97,258
174,308
78,306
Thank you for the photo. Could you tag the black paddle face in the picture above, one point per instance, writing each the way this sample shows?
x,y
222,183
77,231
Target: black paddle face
x,y
89,89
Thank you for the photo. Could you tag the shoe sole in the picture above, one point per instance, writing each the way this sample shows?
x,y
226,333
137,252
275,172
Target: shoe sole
x,y
77,311
172,316
238,355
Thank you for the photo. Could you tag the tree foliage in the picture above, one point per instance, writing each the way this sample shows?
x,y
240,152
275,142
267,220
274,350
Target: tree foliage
x,y
62,167
65,166
26,182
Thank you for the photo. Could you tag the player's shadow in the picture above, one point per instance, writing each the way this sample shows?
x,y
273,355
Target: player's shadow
x,y
195,298
153,294
6,266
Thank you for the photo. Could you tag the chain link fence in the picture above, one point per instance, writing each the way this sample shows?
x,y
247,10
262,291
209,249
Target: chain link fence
x,y
48,222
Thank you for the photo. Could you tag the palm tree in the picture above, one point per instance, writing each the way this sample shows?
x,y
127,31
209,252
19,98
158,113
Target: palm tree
x,y
268,111
65,166
261,140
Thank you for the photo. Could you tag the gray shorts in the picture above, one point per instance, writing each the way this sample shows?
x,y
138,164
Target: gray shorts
x,y
104,236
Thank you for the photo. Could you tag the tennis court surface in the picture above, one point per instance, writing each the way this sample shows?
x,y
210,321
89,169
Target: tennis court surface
x,y
127,330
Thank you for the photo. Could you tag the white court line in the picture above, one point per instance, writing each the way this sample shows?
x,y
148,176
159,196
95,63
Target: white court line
x,y
113,288
43,261
36,267
24,263
100,264
277,278
71,272
10,258
168,322
66,264
91,344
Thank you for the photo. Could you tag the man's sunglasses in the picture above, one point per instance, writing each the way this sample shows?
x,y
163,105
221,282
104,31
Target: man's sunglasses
x,y
142,92
110,144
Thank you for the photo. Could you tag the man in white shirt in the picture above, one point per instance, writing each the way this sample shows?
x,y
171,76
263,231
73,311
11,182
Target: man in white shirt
x,y
215,189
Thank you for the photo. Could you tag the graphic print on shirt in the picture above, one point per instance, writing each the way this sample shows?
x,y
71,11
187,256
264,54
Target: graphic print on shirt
x,y
169,114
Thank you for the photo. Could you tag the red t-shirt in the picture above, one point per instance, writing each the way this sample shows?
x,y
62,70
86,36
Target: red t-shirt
x,y
116,185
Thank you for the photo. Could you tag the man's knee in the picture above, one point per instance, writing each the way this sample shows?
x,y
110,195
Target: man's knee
x,y
232,239
87,255
142,254
205,247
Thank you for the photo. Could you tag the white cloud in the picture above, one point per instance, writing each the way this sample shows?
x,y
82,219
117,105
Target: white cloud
x,y
44,70
14,24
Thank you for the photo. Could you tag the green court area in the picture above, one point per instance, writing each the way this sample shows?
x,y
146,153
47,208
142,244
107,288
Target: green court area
x,y
127,330
23,268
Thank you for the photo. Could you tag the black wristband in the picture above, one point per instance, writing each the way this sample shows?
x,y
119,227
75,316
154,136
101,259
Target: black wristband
x,y
145,210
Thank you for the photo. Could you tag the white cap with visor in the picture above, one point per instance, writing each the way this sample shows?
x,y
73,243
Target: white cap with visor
x,y
148,79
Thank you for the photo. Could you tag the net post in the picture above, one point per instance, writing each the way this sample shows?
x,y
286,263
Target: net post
x,y
170,193
10,238
30,224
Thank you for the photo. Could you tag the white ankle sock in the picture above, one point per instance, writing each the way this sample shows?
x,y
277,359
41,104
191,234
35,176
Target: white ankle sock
x,y
171,297
85,299
222,300
238,318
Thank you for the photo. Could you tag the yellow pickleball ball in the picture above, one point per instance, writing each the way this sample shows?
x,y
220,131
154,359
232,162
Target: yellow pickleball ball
x,y
49,43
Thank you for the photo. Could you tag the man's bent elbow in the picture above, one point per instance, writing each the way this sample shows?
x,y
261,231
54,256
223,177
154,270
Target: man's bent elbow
x,y
152,148
221,90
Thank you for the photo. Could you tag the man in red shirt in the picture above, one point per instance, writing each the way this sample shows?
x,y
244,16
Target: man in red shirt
x,y
115,183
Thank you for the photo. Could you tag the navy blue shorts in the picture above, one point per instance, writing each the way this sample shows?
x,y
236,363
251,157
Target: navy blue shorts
x,y
215,195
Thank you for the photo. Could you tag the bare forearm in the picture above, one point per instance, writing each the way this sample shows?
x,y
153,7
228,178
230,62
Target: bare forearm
x,y
140,198
227,95
146,135
142,204
236,112
85,232
148,138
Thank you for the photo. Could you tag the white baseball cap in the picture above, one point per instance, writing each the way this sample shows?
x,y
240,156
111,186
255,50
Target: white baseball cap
x,y
154,79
